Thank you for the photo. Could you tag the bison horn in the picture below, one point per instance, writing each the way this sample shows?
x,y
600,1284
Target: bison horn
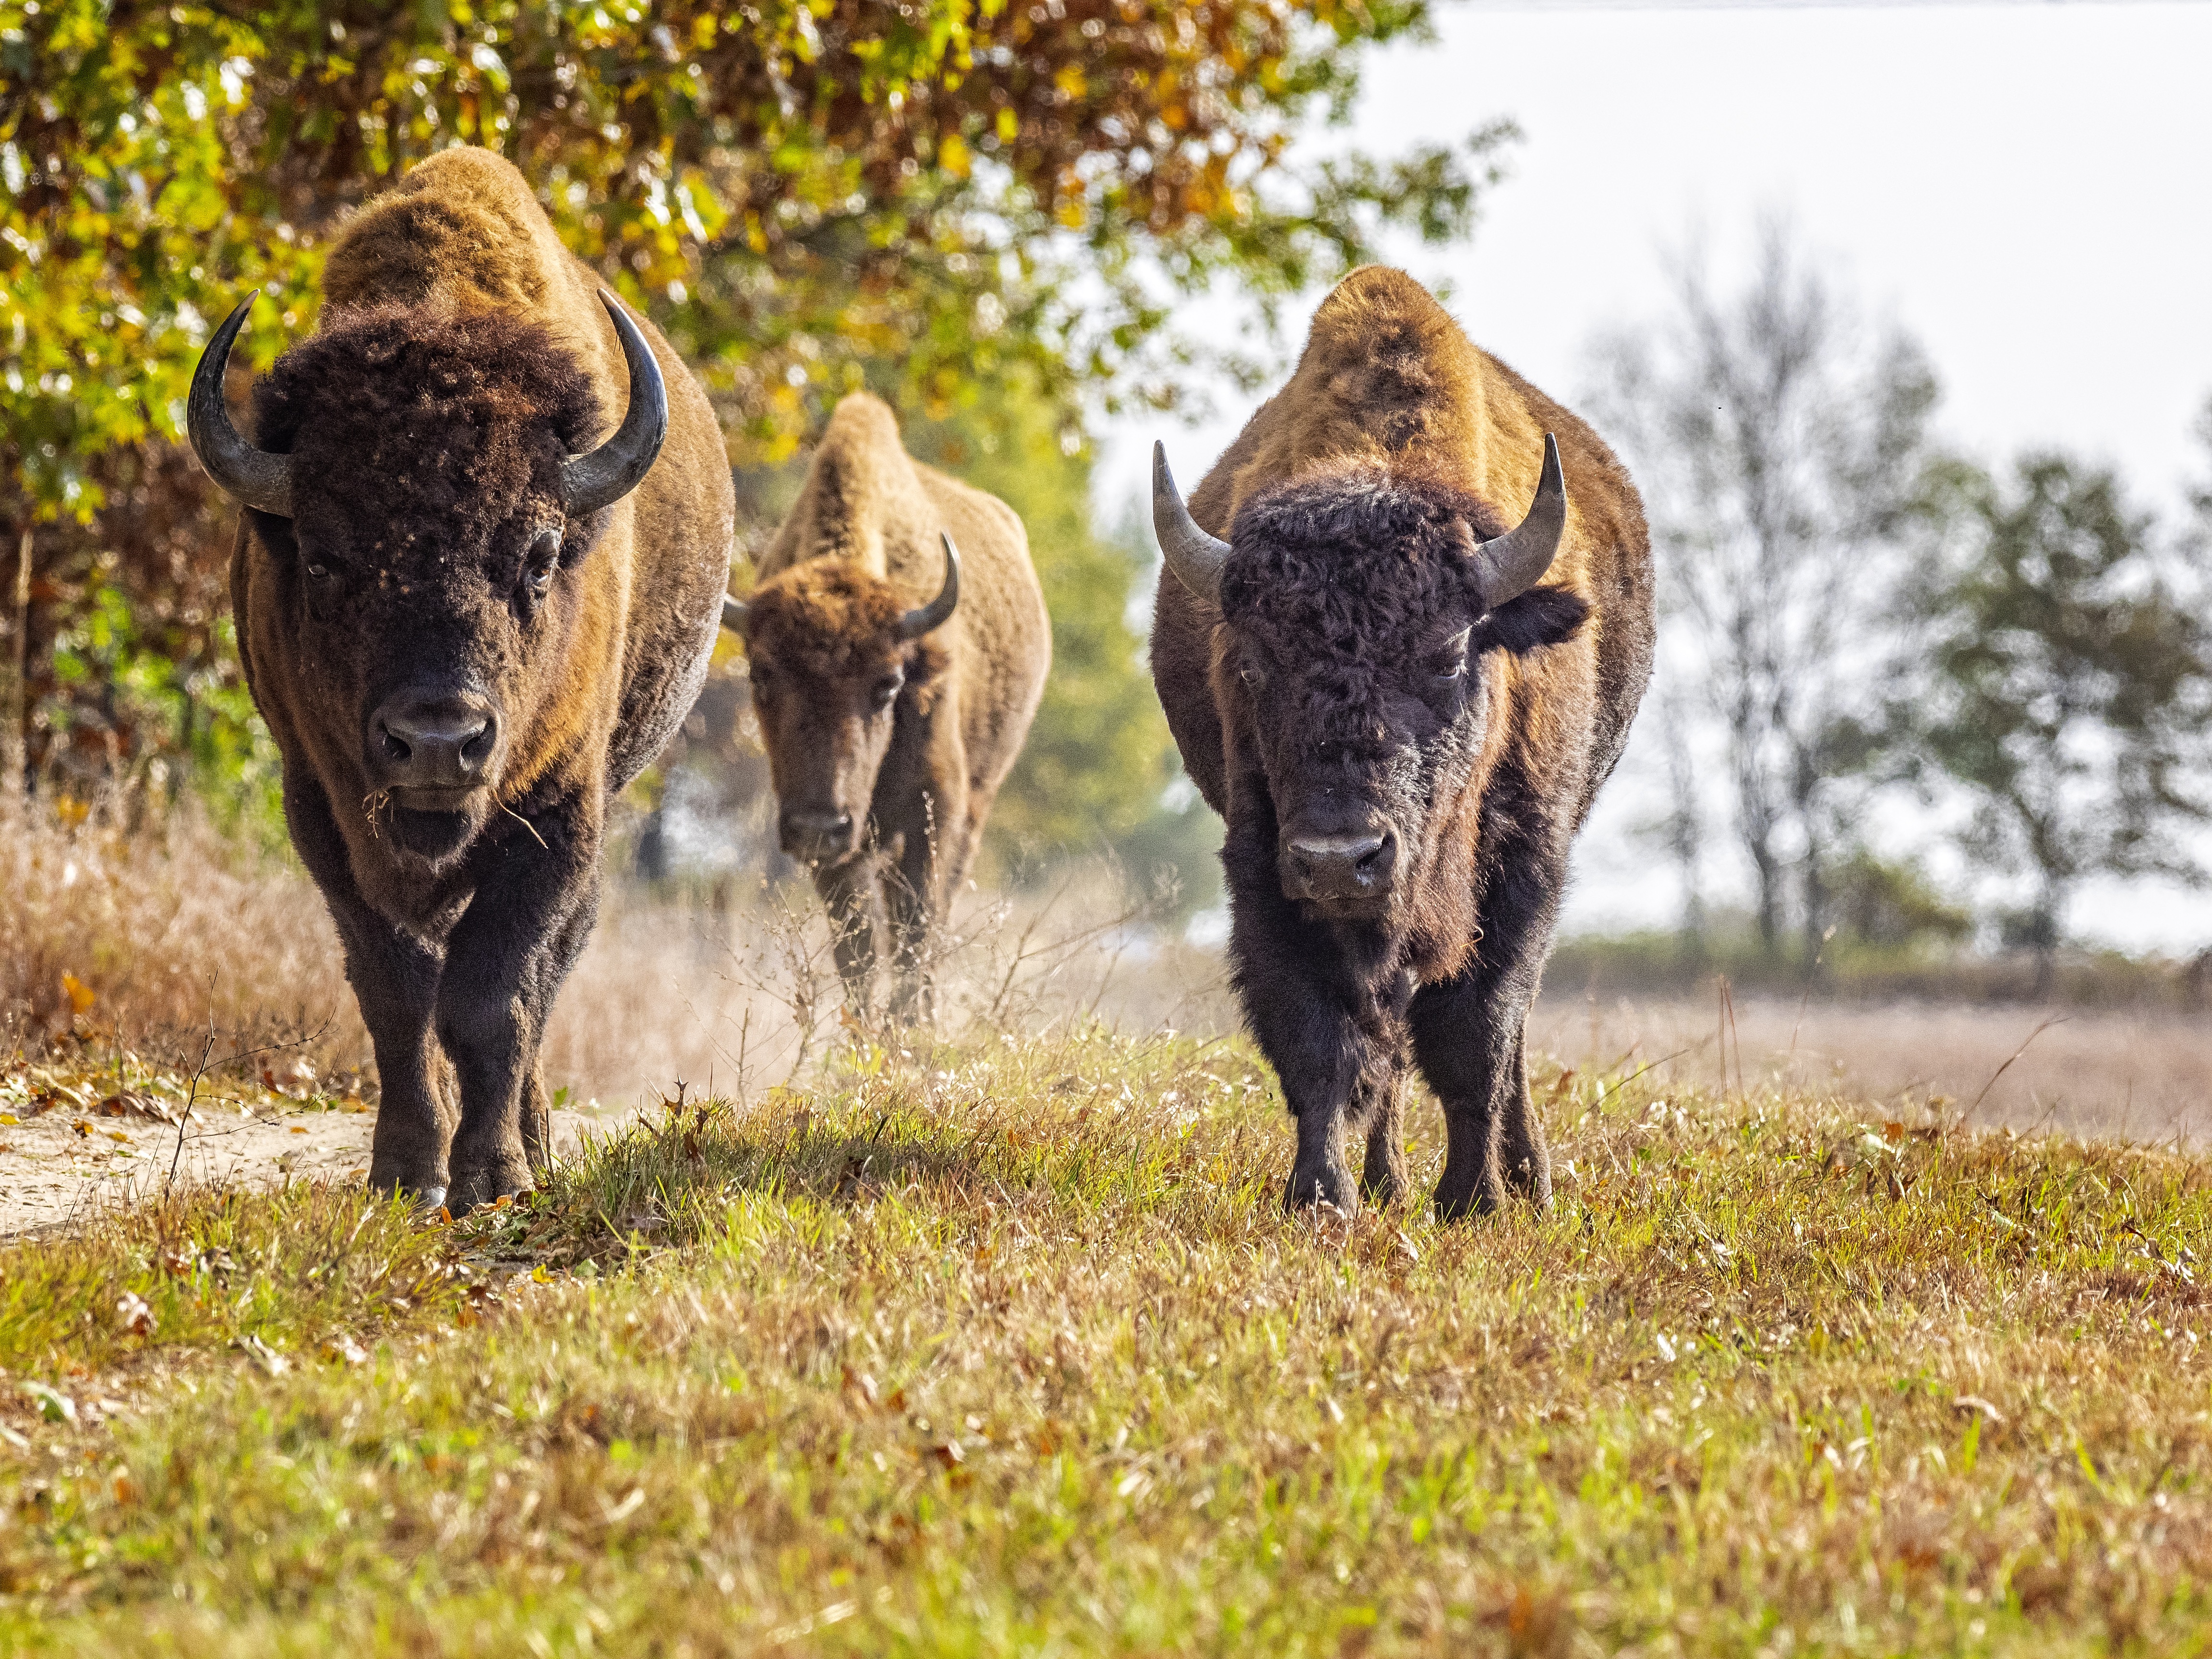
x,y
923,618
260,480
1513,563
619,465
733,613
1196,557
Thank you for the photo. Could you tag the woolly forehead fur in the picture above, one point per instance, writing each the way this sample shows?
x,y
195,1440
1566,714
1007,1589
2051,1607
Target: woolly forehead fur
x,y
825,619
1359,563
418,431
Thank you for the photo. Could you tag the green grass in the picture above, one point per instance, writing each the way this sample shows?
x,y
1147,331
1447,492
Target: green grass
x,y
1012,1352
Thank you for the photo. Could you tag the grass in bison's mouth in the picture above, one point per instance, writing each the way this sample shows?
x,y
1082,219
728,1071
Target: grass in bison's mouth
x,y
1007,1347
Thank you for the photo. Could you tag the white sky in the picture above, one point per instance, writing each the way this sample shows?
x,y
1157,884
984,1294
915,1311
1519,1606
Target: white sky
x,y
2026,189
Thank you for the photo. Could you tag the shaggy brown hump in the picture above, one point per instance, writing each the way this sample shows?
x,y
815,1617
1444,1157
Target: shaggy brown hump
x,y
457,416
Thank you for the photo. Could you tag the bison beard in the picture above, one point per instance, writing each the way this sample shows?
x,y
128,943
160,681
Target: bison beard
x,y
469,616
1403,734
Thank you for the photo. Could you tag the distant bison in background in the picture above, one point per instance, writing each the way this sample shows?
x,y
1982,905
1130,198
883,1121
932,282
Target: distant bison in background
x,y
469,613
898,645
1404,709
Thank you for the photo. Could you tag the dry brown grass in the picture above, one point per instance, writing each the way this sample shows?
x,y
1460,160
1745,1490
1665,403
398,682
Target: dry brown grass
x,y
165,926
169,927
2144,1075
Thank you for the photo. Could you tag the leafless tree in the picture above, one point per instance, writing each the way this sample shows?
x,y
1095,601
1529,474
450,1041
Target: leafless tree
x,y
1778,441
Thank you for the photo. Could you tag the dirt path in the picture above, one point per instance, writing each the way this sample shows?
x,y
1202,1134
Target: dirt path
x,y
68,1143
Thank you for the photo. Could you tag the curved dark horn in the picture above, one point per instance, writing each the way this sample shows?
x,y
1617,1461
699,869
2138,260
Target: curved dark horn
x,y
733,613
260,480
1513,563
619,465
1196,557
923,618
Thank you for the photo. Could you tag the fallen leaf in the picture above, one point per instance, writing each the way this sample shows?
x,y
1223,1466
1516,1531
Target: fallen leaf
x,y
134,1315
263,1355
53,1405
84,1127
80,994
628,1507
299,1129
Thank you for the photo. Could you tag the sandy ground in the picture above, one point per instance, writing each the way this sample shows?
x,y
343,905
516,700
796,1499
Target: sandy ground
x,y
56,1164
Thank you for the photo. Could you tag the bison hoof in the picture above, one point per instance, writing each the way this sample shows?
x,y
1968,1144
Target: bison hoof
x,y
425,1194
487,1186
1329,1184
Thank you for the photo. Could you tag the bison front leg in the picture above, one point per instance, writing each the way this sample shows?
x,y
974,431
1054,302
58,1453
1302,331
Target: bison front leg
x,y
504,965
394,977
1468,1038
915,893
848,892
1305,1025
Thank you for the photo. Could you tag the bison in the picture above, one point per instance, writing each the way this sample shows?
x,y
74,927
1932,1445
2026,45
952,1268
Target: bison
x,y
897,642
1402,693
487,527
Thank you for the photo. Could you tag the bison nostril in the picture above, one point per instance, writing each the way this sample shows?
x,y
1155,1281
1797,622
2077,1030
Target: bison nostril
x,y
815,829
433,743
1340,867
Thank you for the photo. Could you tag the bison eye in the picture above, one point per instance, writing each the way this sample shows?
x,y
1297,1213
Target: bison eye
x,y
317,573
538,567
1252,675
1451,662
884,690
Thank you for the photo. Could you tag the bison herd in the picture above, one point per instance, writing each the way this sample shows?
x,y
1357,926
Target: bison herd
x,y
483,560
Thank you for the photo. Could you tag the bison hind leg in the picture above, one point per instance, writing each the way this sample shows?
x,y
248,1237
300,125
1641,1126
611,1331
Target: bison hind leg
x,y
1381,1112
537,1123
1521,1145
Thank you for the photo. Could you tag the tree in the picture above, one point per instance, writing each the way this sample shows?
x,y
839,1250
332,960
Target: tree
x,y
2069,692
1779,445
808,195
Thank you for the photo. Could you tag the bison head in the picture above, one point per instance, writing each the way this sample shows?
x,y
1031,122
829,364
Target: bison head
x,y
416,486
1355,605
833,648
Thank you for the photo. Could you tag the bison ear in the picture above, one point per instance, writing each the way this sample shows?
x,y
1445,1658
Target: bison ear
x,y
1508,566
